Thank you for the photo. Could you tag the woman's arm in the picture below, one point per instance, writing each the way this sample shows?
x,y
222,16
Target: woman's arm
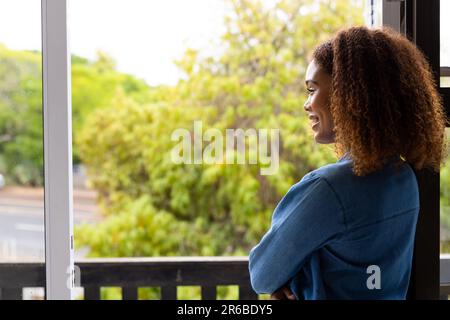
x,y
309,215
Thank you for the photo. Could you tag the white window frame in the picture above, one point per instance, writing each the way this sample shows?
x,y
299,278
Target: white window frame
x,y
56,82
391,14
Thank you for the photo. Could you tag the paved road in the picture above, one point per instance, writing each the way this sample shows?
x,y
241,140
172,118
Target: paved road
x,y
22,221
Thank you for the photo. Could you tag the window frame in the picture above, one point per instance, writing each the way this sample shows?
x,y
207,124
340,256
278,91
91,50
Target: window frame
x,y
420,22
57,121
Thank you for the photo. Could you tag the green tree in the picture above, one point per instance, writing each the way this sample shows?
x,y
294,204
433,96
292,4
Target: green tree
x,y
257,82
445,203
209,209
21,145
21,135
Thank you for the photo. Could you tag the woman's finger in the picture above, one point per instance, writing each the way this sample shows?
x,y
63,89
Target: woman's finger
x,y
288,293
278,295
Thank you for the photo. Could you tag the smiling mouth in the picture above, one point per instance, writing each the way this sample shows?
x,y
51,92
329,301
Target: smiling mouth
x,y
314,120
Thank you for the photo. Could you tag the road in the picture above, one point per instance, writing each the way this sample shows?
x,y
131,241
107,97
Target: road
x,y
22,221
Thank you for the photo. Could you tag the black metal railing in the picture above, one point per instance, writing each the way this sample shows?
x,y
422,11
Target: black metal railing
x,y
444,267
165,273
132,273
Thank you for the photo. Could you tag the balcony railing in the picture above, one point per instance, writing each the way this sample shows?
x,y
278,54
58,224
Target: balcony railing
x,y
444,266
166,273
132,273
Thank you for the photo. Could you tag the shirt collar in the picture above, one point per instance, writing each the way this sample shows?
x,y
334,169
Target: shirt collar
x,y
346,156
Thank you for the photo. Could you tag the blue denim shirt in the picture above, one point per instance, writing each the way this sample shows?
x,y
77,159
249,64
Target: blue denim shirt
x,y
332,227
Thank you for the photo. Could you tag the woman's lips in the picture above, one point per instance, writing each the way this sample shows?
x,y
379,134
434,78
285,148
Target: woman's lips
x,y
314,119
315,125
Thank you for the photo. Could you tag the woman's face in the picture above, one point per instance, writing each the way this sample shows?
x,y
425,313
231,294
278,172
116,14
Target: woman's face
x,y
318,84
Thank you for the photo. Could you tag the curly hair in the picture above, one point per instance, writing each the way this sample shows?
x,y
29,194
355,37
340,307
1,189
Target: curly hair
x,y
384,100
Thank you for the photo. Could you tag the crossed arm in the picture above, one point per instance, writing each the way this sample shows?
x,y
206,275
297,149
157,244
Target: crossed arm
x,y
306,218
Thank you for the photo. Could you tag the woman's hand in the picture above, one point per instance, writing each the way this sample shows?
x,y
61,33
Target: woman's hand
x,y
284,293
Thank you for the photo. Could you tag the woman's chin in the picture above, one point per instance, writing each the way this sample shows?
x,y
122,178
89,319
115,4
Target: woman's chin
x,y
318,140
321,139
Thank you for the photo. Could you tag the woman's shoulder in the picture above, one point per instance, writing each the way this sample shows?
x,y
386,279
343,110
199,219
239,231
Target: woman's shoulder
x,y
321,181
332,172
347,186
388,191
341,172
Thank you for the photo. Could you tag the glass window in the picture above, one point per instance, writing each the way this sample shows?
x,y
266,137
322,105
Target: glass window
x,y
21,142
145,75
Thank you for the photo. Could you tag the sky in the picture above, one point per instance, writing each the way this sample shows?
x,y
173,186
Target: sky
x,y
143,36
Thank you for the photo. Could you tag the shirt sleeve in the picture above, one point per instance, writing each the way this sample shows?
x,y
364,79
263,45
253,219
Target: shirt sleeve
x,y
307,217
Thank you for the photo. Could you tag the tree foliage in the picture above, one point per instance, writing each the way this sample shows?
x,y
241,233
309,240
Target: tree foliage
x,y
21,113
211,209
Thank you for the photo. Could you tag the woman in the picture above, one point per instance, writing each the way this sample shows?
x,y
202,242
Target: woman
x,y
346,230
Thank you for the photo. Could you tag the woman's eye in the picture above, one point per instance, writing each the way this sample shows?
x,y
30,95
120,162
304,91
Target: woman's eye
x,y
310,91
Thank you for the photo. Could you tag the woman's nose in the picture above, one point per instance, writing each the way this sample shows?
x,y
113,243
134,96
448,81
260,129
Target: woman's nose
x,y
307,106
